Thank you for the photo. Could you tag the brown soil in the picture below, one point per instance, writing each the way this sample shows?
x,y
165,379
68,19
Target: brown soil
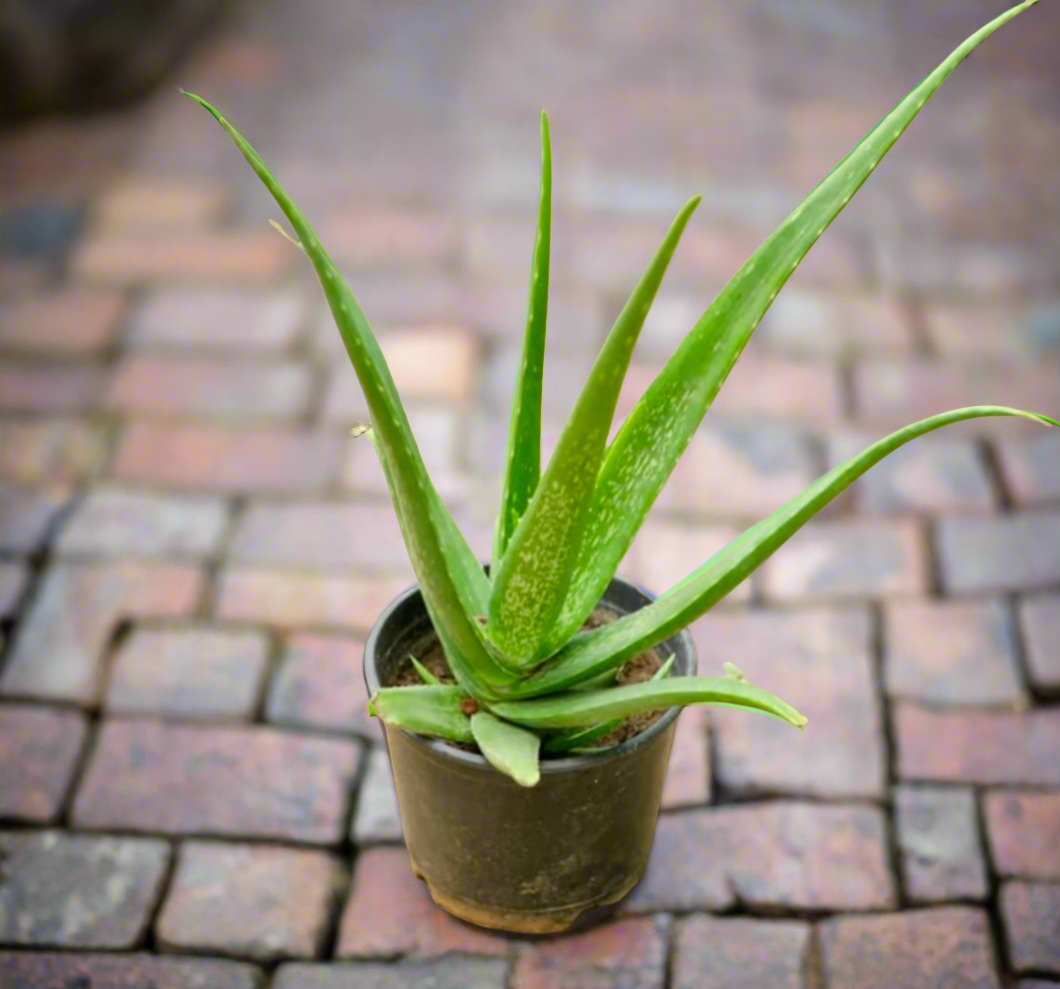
x,y
639,669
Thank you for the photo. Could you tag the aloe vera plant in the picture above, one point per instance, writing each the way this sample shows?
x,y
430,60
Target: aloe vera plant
x,y
529,680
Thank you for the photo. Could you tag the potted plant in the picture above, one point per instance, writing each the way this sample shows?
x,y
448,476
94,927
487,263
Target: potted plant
x,y
529,705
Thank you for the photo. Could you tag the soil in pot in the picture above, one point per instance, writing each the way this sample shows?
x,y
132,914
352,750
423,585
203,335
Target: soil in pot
x,y
638,669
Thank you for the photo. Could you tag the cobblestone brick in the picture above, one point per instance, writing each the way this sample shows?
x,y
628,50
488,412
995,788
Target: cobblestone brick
x,y
197,672
1024,833
1040,618
263,460
301,600
820,662
447,973
787,855
928,476
75,891
377,818
26,514
1003,553
390,913
254,901
139,202
688,776
630,954
240,782
952,652
204,388
228,320
975,330
1030,467
939,841
69,323
52,970
920,949
665,552
380,238
320,684
735,952
804,322
848,559
121,523
49,450
13,580
1030,913
60,643
320,535
41,747
984,747
48,388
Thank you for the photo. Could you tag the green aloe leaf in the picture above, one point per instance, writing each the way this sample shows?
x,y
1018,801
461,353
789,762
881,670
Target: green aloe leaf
x,y
663,421
523,466
508,748
451,580
581,738
430,710
589,707
593,653
532,577
424,674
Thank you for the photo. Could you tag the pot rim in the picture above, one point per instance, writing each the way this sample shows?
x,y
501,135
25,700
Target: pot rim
x,y
681,640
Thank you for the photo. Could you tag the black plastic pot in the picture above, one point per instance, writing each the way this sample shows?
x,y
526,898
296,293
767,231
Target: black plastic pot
x,y
528,860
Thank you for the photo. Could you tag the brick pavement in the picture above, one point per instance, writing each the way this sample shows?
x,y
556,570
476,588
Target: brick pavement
x,y
192,548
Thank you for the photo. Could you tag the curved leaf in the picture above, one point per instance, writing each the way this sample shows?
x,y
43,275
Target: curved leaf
x,y
508,748
430,710
663,421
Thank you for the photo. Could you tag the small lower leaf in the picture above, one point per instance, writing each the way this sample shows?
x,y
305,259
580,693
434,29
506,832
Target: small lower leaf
x,y
430,710
508,748
425,674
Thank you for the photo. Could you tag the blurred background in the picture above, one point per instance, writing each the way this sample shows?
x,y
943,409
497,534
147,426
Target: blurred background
x,y
193,545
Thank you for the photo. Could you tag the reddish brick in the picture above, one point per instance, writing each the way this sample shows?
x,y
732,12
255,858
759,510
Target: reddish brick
x,y
736,952
194,387
240,782
116,523
848,559
564,376
984,747
219,319
796,856
671,317
258,460
60,643
45,969
1024,833
1004,553
253,901
629,954
321,535
13,580
975,330
52,388
895,393
319,684
378,818
781,389
804,322
26,515
938,837
197,672
446,973
952,652
497,310
74,891
390,913
1030,466
1031,916
688,777
919,949
52,450
71,323
928,476
820,662
300,600
1040,618
741,471
122,258
41,747
137,202
359,238
665,552
397,299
